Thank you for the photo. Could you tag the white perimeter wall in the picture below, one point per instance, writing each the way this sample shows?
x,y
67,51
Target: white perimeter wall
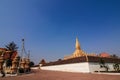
x,y
74,67
85,67
96,67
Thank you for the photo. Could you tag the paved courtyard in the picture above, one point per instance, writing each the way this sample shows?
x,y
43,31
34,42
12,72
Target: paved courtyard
x,y
54,75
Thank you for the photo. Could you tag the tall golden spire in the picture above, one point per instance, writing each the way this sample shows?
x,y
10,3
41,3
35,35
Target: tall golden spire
x,y
77,44
78,52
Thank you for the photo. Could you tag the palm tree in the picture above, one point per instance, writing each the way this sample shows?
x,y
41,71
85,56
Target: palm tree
x,y
12,47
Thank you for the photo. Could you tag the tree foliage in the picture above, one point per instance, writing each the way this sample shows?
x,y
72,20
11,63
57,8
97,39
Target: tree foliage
x,y
11,46
114,56
116,67
8,62
31,64
103,65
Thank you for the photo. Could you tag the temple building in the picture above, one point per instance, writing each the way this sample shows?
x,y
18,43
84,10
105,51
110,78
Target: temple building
x,y
7,53
10,62
80,61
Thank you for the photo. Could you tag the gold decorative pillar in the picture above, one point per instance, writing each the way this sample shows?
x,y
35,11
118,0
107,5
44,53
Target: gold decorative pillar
x,y
1,62
27,67
14,65
22,63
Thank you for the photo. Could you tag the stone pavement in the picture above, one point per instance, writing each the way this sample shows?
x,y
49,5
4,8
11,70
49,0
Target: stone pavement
x,y
55,75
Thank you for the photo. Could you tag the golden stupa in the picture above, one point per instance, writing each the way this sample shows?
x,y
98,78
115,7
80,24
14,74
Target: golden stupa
x,y
77,53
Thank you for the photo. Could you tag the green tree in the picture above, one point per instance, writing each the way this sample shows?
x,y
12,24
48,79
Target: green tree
x,y
8,62
103,65
116,67
11,46
114,56
31,64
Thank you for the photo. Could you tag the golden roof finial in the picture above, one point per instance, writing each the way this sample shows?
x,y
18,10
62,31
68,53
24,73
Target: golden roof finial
x,y
77,44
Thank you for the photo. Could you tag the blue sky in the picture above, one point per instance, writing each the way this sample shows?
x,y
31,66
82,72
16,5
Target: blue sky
x,y
50,27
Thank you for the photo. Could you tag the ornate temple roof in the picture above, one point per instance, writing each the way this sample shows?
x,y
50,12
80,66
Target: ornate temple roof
x,y
7,53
